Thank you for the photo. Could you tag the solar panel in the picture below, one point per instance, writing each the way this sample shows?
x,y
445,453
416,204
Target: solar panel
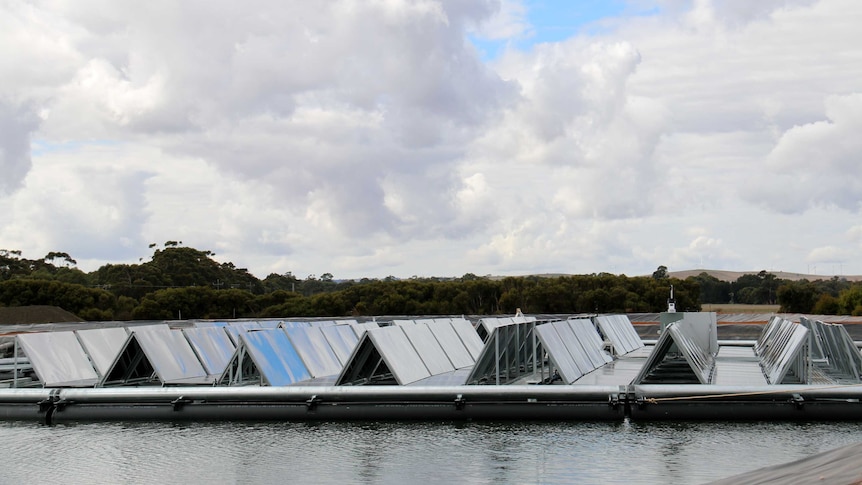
x,y
274,355
102,345
58,359
400,356
171,355
429,350
452,344
469,337
342,339
315,351
558,353
213,347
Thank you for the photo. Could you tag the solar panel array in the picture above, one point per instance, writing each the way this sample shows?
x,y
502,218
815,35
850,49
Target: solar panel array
x,y
618,329
512,352
412,351
573,346
677,358
833,351
783,351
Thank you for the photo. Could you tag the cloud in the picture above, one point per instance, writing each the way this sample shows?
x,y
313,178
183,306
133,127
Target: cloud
x,y
817,163
371,138
16,125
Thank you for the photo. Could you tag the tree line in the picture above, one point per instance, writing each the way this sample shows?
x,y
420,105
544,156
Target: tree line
x,y
181,282
833,296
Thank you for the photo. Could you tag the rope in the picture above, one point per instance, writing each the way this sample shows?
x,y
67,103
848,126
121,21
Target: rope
x,y
656,400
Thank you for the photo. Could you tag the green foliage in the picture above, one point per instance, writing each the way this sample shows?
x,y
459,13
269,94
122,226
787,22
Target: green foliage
x,y
660,273
188,283
850,300
797,296
87,303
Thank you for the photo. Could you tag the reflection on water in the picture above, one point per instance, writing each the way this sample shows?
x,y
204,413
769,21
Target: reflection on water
x,y
405,452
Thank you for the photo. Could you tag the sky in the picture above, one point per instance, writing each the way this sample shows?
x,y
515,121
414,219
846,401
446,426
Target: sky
x,y
369,138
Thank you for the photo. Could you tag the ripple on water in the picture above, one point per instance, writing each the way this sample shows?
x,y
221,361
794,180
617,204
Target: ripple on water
x,y
405,452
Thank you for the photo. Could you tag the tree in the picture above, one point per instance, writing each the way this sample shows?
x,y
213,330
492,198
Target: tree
x,y
660,273
797,296
850,300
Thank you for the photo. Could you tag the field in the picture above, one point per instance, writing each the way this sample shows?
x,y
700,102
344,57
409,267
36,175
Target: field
x,y
739,308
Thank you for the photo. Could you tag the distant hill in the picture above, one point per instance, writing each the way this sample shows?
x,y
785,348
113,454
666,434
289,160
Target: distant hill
x,y
35,314
734,275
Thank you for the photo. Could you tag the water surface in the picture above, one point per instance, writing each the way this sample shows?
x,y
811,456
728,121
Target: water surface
x,y
473,453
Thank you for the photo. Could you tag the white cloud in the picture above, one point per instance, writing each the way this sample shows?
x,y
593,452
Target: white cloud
x,y
820,160
369,138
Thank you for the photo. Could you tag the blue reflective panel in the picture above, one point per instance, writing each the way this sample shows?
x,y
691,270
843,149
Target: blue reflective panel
x,y
170,355
213,347
102,345
275,357
234,329
58,359
342,339
210,324
315,351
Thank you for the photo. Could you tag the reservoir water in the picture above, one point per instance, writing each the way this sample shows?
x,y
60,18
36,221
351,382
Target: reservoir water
x,y
357,452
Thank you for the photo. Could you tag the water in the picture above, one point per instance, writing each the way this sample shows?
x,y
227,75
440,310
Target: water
x,y
473,453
